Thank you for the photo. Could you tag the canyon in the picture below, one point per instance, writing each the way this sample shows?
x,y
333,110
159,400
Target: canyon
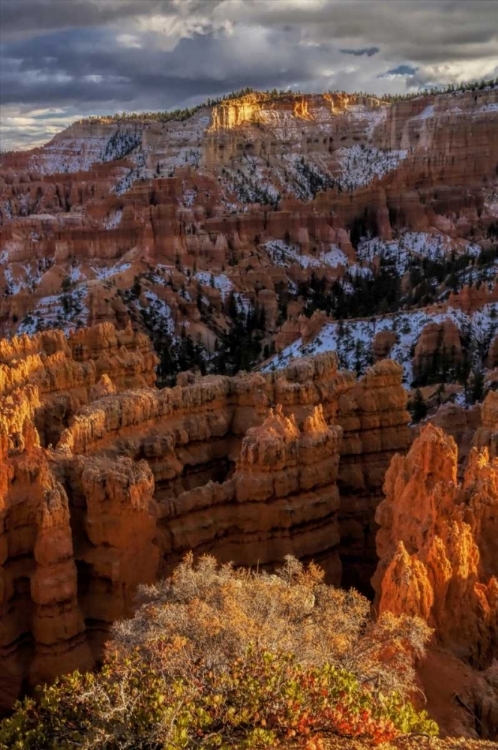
x,y
271,216
250,468
223,333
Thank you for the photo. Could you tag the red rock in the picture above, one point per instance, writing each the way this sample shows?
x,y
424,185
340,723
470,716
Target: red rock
x,y
437,544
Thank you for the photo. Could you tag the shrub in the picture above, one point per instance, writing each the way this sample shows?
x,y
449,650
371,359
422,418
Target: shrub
x,y
218,658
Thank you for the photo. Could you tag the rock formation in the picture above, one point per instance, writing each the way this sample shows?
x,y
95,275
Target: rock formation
x,y
438,559
487,434
275,227
258,207
248,468
437,544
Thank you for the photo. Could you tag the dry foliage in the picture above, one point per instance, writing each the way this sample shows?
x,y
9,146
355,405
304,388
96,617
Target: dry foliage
x,y
224,658
219,612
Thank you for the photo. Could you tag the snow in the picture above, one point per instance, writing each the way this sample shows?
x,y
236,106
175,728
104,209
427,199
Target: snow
x,y
283,254
106,273
492,107
410,246
65,311
356,271
120,144
139,158
220,281
67,154
75,274
334,257
242,303
361,164
427,113
246,180
374,118
70,154
20,276
158,313
352,339
182,157
114,220
401,253
14,286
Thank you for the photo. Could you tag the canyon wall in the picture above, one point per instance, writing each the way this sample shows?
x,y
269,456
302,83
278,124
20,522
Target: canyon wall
x,y
249,468
438,559
118,220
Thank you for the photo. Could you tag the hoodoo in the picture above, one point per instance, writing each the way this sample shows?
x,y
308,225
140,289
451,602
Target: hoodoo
x,y
248,378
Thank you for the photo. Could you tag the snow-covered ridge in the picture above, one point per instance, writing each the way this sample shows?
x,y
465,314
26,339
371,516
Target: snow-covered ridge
x,y
352,339
402,251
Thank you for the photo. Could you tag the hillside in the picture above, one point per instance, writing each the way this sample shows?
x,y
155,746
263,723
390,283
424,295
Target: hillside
x,y
267,326
263,220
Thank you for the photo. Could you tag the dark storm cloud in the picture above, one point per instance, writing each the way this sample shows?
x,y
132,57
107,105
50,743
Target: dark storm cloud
x,y
35,16
400,70
86,64
369,51
84,56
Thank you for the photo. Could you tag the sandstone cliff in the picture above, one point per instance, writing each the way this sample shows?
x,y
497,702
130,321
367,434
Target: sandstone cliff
x,y
435,544
247,468
438,559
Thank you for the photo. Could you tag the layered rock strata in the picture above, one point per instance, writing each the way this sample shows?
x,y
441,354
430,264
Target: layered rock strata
x,y
117,220
139,477
69,371
438,559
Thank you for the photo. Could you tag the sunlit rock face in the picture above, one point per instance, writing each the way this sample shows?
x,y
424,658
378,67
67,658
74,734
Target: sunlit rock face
x,y
438,559
185,226
437,544
122,240
107,482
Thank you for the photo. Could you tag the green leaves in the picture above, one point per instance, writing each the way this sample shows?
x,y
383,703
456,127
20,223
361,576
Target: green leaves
x,y
223,659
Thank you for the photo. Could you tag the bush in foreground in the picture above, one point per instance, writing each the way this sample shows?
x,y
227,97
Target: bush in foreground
x,y
218,658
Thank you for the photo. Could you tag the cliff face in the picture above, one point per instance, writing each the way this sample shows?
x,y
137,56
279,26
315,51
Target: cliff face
x,y
66,370
438,559
247,468
43,380
260,207
281,499
437,544
193,434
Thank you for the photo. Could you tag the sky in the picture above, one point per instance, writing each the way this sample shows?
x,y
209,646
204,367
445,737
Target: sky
x,y
61,60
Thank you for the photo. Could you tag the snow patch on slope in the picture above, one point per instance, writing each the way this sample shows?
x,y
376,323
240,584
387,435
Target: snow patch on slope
x,y
352,339
283,254
362,164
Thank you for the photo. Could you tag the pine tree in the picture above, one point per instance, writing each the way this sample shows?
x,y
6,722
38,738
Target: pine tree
x,y
417,406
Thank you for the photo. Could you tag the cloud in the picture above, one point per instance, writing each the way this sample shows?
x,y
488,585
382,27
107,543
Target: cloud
x,y
369,51
400,70
91,56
